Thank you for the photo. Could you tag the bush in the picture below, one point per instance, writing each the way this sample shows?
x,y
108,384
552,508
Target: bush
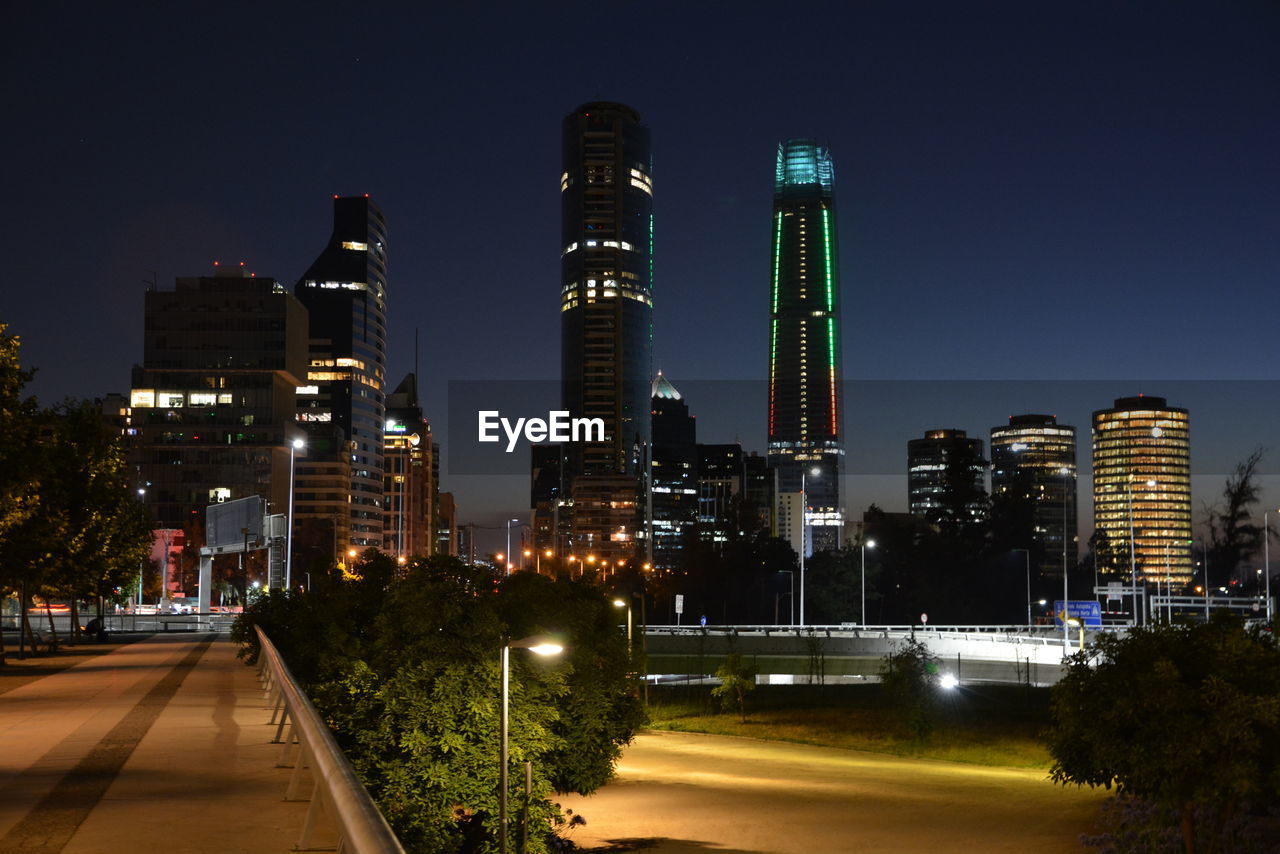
x,y
1185,717
737,680
910,682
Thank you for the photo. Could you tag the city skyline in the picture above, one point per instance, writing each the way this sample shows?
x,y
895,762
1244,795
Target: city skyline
x,y
1134,175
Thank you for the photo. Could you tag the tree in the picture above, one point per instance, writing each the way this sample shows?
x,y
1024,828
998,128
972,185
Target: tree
x,y
909,679
404,666
19,467
1233,538
1184,716
737,680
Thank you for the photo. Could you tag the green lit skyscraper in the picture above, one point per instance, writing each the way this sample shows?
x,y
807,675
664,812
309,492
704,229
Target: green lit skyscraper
x,y
805,407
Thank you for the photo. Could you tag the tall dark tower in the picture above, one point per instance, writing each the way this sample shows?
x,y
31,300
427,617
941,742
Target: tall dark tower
x,y
606,305
342,405
805,406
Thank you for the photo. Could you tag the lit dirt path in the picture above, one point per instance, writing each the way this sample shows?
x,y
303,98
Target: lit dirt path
x,y
679,793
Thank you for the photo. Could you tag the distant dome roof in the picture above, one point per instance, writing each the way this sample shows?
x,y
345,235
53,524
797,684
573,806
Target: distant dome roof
x,y
664,389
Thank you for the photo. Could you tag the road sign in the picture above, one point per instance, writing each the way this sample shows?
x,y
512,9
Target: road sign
x,y
924,618
1087,611
679,603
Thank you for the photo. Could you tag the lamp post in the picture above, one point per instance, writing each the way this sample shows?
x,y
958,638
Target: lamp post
x,y
804,533
294,446
791,598
508,552
538,646
1026,553
1066,599
619,603
866,544
1133,554
1266,558
1204,546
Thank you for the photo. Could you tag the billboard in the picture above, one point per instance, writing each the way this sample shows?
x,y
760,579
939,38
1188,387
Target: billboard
x,y
1088,611
225,523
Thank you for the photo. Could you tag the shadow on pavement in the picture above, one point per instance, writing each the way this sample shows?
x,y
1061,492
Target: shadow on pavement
x,y
662,845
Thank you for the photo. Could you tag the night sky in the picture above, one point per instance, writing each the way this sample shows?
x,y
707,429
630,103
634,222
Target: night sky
x,y
1026,191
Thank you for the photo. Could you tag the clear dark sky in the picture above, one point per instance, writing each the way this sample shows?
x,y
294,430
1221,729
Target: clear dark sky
x,y
1032,191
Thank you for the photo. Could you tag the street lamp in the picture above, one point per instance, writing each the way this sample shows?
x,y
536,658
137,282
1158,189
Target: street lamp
x,y
1027,554
791,598
539,646
294,446
866,544
509,521
1066,598
1266,557
1133,554
619,603
804,532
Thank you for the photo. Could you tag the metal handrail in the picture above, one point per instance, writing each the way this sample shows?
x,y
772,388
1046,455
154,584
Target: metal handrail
x,y
362,829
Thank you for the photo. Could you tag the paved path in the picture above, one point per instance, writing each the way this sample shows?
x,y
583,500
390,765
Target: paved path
x,y
681,793
159,746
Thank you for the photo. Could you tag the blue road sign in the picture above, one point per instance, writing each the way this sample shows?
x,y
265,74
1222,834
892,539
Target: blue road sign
x,y
1086,610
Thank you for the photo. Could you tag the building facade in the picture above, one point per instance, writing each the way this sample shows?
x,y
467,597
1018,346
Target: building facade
x,y
212,403
946,478
606,305
805,373
674,463
1033,458
409,521
342,405
1142,489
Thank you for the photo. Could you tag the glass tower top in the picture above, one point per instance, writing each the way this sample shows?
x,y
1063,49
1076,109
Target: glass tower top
x,y
803,163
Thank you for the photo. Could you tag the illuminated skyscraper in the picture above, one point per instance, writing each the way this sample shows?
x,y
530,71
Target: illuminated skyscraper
x,y
1142,488
674,463
606,305
409,524
342,405
946,478
1034,459
805,408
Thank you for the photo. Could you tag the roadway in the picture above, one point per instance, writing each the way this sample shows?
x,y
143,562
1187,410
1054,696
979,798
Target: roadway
x,y
682,793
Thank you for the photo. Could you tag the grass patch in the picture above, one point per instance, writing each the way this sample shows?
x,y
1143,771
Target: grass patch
x,y
984,725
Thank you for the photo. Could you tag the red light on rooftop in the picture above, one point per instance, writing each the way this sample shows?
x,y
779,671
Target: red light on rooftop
x,y
366,195
241,263
215,263
335,195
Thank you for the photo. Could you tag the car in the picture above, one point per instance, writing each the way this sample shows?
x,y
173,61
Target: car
x,y
184,605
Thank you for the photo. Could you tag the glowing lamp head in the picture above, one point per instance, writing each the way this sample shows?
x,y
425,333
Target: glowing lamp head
x,y
949,682
871,544
298,444
547,649
618,603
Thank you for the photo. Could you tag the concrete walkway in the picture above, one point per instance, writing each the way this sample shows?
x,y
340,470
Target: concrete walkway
x,y
160,746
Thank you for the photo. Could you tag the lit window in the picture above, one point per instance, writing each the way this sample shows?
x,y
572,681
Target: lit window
x,y
308,389
355,245
203,399
224,399
142,398
169,400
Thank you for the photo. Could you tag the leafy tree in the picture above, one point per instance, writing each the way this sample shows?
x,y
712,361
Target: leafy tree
x,y
909,679
405,668
737,680
19,481
1233,538
1184,716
